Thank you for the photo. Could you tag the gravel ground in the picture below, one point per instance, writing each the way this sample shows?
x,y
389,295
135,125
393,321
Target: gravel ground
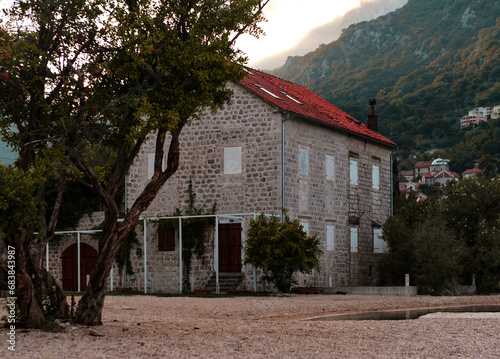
x,y
268,327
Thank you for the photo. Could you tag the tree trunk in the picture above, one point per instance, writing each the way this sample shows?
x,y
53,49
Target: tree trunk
x,y
25,291
89,311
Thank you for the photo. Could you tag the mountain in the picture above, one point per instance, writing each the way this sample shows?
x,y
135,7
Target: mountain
x,y
366,10
426,63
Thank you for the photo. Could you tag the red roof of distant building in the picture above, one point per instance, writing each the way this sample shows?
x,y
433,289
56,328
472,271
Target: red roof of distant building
x,y
407,173
302,102
472,170
421,164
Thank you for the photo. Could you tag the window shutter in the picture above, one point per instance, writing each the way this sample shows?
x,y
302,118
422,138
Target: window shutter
x,y
304,162
354,239
232,160
151,165
375,177
379,245
353,172
329,164
330,238
305,226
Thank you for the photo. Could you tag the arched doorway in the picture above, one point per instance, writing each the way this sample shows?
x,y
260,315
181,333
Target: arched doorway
x,y
88,256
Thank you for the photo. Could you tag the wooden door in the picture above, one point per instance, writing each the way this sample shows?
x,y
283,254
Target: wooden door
x,y
88,256
230,248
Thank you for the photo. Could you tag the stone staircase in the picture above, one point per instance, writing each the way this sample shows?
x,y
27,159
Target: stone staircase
x,y
227,282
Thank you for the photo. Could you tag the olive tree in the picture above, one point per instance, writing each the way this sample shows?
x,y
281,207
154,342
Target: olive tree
x,y
81,76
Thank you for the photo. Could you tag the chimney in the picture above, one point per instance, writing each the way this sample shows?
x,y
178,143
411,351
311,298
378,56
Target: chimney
x,y
372,118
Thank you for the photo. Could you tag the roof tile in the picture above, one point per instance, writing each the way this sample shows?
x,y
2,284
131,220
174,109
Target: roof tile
x,y
303,102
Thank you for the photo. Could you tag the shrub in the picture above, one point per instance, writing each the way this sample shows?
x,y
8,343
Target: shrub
x,y
281,250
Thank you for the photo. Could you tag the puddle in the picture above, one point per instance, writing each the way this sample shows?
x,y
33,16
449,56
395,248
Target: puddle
x,y
410,313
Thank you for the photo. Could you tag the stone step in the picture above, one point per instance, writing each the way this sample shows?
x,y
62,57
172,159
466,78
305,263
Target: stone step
x,y
227,282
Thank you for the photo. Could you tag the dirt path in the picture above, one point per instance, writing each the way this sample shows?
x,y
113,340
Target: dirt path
x,y
267,327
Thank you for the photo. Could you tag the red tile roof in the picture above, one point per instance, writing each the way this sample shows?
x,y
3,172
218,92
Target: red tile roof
x,y
422,164
302,102
473,170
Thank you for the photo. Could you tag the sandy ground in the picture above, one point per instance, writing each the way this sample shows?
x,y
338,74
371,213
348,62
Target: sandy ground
x,y
268,327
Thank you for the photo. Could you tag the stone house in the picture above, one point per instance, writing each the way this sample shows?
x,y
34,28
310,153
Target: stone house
x,y
277,145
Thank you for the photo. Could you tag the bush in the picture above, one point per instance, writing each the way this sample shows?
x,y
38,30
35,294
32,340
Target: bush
x,y
281,250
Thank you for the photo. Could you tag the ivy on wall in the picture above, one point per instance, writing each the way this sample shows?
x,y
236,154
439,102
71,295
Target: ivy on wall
x,y
194,230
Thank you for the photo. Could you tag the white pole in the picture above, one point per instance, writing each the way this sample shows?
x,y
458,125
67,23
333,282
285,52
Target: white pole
x,y
216,255
254,279
180,255
145,258
111,279
47,257
78,262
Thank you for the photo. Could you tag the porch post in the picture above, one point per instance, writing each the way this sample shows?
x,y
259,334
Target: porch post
x,y
47,257
78,261
145,258
180,255
216,255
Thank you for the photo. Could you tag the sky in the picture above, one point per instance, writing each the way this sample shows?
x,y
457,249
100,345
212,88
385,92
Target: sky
x,y
288,21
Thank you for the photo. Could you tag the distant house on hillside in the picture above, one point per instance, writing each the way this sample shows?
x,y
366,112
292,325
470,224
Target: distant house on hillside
x,y
411,189
407,174
473,172
275,146
422,167
466,121
496,112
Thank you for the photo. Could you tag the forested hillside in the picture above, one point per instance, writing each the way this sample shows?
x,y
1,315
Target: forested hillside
x,y
426,63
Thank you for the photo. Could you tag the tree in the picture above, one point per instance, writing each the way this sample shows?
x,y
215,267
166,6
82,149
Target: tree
x,y
94,77
281,249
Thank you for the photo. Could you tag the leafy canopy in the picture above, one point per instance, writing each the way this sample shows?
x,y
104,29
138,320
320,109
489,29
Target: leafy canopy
x,y
281,250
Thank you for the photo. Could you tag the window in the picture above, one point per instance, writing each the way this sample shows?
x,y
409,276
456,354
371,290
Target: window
x,y
354,239
329,167
330,238
353,172
166,239
379,244
151,165
375,177
304,161
305,226
232,160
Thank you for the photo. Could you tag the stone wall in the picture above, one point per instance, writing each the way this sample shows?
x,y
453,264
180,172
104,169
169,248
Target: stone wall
x,y
321,202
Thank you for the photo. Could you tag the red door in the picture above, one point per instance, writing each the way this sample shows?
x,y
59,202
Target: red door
x,y
88,256
230,247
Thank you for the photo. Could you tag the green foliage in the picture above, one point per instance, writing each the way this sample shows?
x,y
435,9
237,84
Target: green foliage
x,y
18,205
281,250
122,258
442,243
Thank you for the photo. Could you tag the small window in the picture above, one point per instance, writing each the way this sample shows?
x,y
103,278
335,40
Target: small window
x,y
375,177
304,161
354,239
329,163
305,227
232,160
166,239
379,245
330,238
353,172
